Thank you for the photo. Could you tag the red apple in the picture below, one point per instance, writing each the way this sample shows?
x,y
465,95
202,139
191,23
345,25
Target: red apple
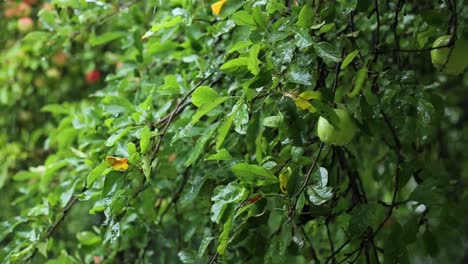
x,y
25,24
93,76
23,9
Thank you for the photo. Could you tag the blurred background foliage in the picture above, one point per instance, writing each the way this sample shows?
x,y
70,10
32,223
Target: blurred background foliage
x,y
182,131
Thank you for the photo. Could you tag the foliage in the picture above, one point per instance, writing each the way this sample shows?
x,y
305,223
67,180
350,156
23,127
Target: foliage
x,y
177,131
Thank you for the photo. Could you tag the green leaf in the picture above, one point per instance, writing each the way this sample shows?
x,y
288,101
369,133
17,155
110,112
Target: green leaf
x,y
112,184
105,38
318,191
242,18
224,237
203,95
64,258
235,63
207,108
306,16
253,174
48,18
203,246
327,27
223,195
222,154
260,18
101,170
240,45
118,104
303,39
131,148
272,121
348,59
299,75
254,62
117,136
327,51
319,195
36,37
326,112
171,86
187,256
146,165
145,139
361,77
88,238
200,145
192,190
66,195
168,22
7,227
320,177
226,126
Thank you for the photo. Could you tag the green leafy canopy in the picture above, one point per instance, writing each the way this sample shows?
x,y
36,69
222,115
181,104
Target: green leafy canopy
x,y
186,131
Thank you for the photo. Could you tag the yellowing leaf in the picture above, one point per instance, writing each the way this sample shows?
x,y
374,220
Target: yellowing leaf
x,y
216,7
304,105
117,163
283,181
302,100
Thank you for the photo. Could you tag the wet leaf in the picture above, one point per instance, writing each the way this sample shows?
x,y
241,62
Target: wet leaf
x,y
120,164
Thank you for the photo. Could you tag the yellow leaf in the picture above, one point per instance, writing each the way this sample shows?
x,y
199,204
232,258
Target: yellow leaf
x,y
216,7
309,95
302,100
304,105
283,181
117,163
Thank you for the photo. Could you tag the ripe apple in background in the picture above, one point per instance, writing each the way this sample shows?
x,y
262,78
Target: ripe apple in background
x,y
458,60
337,136
93,76
60,58
9,12
25,24
23,9
47,6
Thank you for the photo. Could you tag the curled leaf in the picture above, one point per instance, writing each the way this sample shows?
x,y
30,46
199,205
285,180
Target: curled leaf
x,y
283,181
120,164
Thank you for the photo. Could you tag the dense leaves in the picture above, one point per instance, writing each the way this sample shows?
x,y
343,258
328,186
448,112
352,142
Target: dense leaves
x,y
186,131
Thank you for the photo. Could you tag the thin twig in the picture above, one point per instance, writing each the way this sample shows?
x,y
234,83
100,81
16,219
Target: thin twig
x,y
213,260
397,172
314,253
332,248
311,169
333,255
51,230
396,55
337,74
